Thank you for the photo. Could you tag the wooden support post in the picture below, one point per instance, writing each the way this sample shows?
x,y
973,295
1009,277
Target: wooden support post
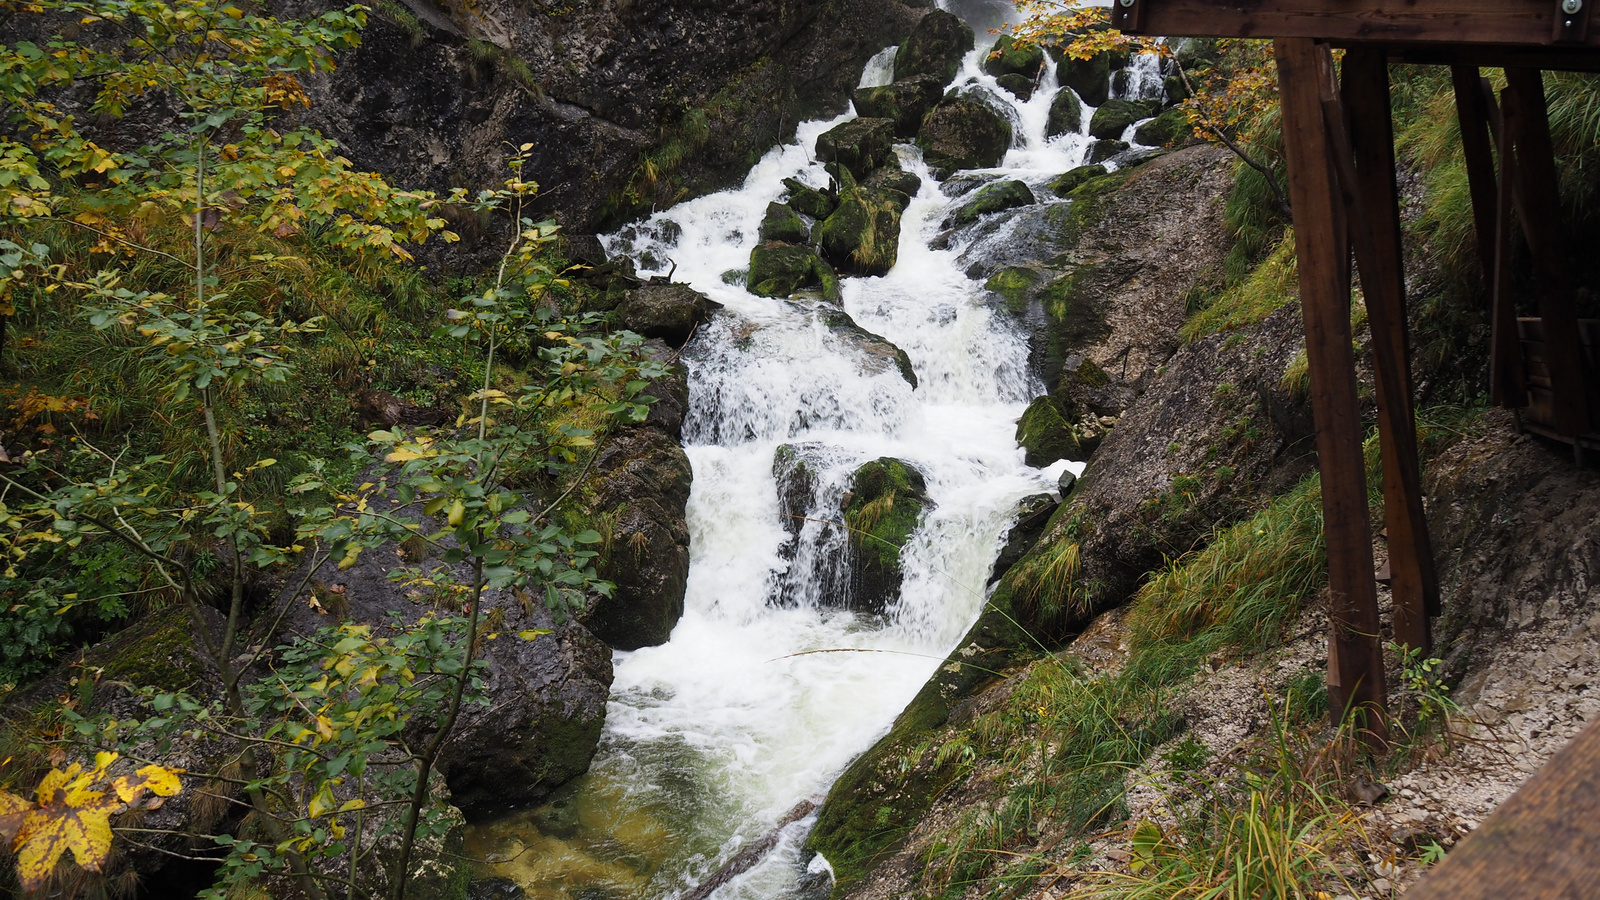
x,y
1375,206
1507,378
1541,225
1472,113
1355,659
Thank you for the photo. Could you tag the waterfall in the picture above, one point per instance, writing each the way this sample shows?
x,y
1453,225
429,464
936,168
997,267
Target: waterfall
x,y
769,685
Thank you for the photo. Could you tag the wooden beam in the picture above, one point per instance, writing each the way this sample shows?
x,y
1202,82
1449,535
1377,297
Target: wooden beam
x,y
1541,844
1374,202
1493,22
1507,382
1355,659
1540,212
1472,113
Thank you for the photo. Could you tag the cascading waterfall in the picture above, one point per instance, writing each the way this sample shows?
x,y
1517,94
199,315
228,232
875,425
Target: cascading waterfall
x,y
769,686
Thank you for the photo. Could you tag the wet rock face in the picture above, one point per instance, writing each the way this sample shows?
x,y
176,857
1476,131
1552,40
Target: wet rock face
x,y
1089,78
781,270
962,133
991,198
934,48
808,201
797,484
878,353
1114,116
641,490
862,236
1066,114
861,145
600,84
1033,514
782,223
1046,435
886,501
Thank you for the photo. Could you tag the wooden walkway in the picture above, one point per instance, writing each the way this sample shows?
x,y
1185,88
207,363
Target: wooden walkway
x,y
1541,844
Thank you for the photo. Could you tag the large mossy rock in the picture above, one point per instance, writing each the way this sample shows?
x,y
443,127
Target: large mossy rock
x,y
1046,435
904,102
895,183
1089,78
935,48
781,223
1100,151
1066,114
1114,117
797,484
1007,58
1033,514
781,270
874,805
1171,127
640,487
670,312
1068,181
962,133
862,236
991,198
1019,86
808,201
860,145
885,504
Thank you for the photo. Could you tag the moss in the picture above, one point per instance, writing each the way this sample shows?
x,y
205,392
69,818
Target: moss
x,y
862,236
780,270
1007,57
1046,435
887,497
1013,284
1068,181
991,198
782,223
1169,128
1085,210
1113,117
160,652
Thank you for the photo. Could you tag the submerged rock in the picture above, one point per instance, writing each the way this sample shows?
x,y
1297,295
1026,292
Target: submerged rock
x,y
781,270
904,102
961,133
861,145
886,501
880,353
797,484
1066,114
670,312
935,47
991,198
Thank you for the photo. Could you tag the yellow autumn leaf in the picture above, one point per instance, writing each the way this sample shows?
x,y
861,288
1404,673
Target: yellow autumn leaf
x,y
13,810
158,780
71,815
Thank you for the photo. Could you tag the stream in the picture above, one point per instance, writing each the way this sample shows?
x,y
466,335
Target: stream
x,y
770,686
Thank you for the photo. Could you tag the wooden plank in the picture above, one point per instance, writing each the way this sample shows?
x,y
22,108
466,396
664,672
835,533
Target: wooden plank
x,y
1540,212
1541,844
1507,384
1355,660
1495,22
1570,57
1375,202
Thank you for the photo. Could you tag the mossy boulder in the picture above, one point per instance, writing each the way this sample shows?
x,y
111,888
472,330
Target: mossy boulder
x,y
797,483
861,145
862,236
1046,435
1007,57
991,198
670,312
878,352
1114,116
808,201
1019,86
874,805
1100,151
780,270
1068,181
885,503
962,133
1033,514
934,48
894,183
782,223
1066,114
904,102
1175,90
1014,284
1170,127
1089,78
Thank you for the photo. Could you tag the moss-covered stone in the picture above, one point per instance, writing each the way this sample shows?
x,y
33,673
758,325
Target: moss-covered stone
x,y
1066,114
1014,284
1114,116
782,223
862,236
1174,88
1046,436
1068,181
894,183
934,48
861,145
878,800
886,500
962,133
780,270
904,102
1100,151
993,197
797,482
1169,128
161,652
1089,78
807,200
1019,86
1006,57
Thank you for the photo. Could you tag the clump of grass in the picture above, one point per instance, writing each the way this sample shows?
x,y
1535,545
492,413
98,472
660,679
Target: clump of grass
x,y
1250,299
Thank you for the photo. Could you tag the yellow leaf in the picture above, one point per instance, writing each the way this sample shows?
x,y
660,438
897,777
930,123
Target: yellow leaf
x,y
13,810
458,512
71,816
349,805
159,780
